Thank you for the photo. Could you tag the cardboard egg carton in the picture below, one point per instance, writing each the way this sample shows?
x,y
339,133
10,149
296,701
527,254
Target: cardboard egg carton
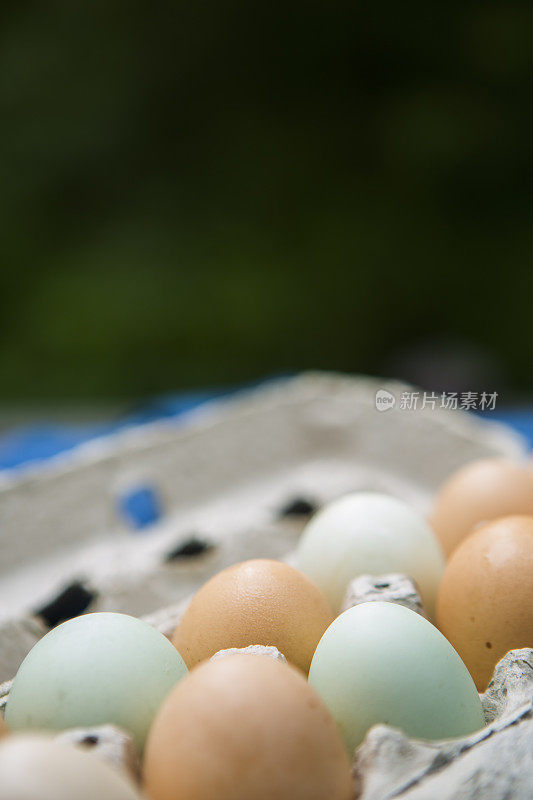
x,y
223,481
234,480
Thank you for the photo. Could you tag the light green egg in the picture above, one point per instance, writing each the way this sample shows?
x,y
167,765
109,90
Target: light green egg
x,y
382,662
95,669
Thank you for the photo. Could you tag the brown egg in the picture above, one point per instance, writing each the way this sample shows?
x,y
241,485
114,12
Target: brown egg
x,y
255,602
477,493
3,727
245,727
485,604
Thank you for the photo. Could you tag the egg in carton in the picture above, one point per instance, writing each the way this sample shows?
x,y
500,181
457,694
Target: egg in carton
x,y
496,762
234,482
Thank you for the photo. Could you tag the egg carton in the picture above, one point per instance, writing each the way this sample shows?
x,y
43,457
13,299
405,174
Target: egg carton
x,y
235,479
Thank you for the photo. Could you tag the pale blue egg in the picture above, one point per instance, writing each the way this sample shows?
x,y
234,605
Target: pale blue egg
x,y
95,669
382,662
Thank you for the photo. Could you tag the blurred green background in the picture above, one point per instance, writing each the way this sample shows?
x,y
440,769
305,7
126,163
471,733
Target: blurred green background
x,y
208,192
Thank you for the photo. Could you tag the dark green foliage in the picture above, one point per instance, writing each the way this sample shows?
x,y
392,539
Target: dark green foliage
x,y
210,191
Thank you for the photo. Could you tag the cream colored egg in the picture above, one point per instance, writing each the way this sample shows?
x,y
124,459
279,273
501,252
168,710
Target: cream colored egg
x,y
34,767
477,493
3,727
255,602
369,533
245,728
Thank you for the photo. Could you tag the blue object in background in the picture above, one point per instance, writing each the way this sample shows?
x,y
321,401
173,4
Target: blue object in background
x,y
37,442
519,419
32,443
140,506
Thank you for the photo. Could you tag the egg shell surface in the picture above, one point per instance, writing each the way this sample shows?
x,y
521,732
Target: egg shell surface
x,y
95,669
485,605
369,533
380,662
257,602
244,727
37,768
480,491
